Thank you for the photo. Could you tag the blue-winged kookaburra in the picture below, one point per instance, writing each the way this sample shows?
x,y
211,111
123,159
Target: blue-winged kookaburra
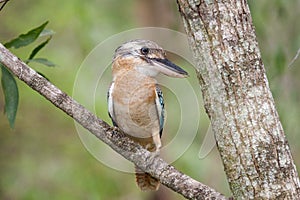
x,y
135,102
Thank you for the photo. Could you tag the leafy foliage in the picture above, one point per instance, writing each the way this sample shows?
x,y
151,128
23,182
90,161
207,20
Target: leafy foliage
x,y
43,61
9,85
38,48
11,95
27,38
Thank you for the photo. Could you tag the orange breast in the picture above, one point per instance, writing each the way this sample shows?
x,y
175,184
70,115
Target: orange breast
x,y
134,100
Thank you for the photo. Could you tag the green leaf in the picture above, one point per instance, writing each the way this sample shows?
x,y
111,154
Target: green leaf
x,y
11,94
38,48
43,61
27,38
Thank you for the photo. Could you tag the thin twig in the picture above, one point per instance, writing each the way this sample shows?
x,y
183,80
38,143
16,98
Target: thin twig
x,y
295,58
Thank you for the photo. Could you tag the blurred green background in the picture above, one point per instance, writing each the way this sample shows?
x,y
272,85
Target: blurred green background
x,y
43,157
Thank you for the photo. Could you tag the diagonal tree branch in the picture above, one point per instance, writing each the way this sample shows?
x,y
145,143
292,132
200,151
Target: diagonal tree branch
x,y
145,160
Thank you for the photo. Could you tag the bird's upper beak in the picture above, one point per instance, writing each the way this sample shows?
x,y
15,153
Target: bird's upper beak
x,y
168,68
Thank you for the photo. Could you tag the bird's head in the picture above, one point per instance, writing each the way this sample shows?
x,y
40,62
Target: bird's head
x,y
147,58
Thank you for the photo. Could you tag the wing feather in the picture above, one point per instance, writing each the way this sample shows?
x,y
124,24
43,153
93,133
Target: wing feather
x,y
159,100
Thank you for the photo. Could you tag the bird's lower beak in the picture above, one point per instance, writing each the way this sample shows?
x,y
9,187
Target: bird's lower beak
x,y
168,68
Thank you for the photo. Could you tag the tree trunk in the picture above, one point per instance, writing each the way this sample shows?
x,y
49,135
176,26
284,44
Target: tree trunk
x,y
251,141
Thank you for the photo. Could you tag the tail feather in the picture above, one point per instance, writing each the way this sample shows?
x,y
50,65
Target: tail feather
x,y
145,181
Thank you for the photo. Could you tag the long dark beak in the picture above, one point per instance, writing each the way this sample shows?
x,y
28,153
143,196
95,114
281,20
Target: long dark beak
x,y
168,68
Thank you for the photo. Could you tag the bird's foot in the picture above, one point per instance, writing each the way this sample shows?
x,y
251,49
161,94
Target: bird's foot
x,y
153,149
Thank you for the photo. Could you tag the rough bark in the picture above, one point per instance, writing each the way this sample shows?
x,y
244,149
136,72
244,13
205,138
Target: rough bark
x,y
145,160
251,141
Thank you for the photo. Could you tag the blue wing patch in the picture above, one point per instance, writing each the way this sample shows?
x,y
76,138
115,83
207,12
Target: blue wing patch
x,y
160,108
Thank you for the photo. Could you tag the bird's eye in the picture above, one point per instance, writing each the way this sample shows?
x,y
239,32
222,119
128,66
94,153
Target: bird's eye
x,y
145,50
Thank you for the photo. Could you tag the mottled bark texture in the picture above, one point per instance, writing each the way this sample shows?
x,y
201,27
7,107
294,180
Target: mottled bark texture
x,y
145,160
254,150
